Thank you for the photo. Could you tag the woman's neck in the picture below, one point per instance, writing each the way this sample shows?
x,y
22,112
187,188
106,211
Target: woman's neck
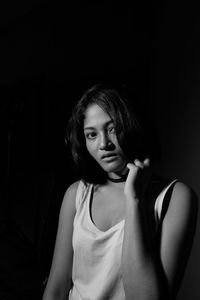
x,y
122,178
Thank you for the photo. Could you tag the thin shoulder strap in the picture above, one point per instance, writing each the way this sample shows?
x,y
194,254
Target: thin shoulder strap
x,y
162,202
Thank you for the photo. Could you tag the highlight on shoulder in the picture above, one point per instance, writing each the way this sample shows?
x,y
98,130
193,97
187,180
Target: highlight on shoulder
x,y
70,195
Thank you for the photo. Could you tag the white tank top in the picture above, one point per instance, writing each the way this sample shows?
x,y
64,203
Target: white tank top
x,y
96,272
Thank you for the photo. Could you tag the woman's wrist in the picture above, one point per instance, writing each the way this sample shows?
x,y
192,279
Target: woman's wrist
x,y
132,202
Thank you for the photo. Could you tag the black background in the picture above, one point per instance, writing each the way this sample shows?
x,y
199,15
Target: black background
x,y
49,53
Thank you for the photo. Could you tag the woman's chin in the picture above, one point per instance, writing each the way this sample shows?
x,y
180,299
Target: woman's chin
x,y
116,171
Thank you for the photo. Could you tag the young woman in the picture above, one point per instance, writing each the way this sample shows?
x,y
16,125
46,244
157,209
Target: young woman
x,y
123,232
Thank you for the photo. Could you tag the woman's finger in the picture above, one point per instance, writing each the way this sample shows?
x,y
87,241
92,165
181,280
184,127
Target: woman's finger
x,y
147,162
142,164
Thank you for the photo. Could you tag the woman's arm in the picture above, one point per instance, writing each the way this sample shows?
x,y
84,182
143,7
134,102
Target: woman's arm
x,y
177,234
59,281
148,275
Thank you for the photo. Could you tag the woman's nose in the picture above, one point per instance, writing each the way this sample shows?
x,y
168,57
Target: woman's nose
x,y
105,142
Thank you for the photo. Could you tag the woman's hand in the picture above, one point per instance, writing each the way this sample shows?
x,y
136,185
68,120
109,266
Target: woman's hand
x,y
138,178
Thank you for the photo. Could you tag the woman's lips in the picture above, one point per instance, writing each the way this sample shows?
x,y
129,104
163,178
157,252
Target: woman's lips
x,y
109,157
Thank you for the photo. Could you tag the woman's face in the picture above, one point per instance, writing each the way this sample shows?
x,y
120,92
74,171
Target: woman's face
x,y
101,141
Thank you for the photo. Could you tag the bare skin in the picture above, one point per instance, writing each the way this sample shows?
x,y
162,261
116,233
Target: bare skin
x,y
146,275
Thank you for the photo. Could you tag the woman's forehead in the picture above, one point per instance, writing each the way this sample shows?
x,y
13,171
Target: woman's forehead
x,y
95,115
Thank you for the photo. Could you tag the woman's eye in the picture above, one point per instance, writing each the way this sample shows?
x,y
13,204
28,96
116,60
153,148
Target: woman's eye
x,y
111,129
91,135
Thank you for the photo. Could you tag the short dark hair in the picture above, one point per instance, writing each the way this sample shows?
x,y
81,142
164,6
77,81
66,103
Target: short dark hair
x,y
133,137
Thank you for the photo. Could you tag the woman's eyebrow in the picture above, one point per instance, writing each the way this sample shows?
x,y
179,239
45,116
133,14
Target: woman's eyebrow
x,y
105,125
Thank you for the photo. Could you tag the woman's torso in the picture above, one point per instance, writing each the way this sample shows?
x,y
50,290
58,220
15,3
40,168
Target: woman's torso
x,y
98,238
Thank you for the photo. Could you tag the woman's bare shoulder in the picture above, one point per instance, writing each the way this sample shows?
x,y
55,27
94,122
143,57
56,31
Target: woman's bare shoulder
x,y
184,197
178,192
71,190
70,196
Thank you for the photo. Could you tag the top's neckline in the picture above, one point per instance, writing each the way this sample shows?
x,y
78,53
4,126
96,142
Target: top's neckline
x,y
94,226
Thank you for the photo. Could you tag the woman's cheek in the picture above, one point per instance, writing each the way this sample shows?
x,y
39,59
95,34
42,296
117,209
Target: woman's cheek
x,y
90,147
